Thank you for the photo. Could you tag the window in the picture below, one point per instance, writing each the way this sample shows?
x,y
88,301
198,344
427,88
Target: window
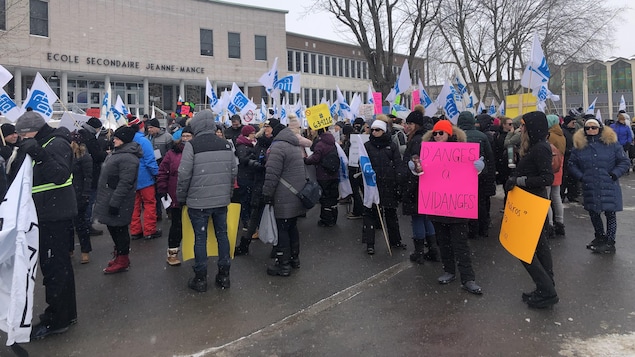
x,y
621,77
314,97
358,68
305,62
596,74
290,61
307,91
320,64
207,42
573,80
233,41
347,68
261,48
39,18
334,66
298,61
364,71
3,15
340,67
313,64
327,63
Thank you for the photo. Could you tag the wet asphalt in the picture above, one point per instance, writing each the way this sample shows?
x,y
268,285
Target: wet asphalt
x,y
343,302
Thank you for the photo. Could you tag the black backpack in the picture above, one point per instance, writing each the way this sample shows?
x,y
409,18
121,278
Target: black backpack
x,y
331,162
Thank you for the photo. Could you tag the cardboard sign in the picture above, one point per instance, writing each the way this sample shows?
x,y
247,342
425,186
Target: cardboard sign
x,y
73,121
367,110
187,245
319,116
378,101
353,151
449,184
523,222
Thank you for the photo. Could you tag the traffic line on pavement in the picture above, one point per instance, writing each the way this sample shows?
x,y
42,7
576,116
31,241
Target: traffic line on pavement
x,y
306,313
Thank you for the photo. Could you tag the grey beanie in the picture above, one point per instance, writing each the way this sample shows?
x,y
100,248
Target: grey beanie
x,y
29,122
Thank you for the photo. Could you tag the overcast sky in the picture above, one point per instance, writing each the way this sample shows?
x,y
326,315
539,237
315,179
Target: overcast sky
x,y
323,25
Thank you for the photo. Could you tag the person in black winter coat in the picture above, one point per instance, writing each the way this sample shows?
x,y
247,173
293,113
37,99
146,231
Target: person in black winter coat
x,y
386,161
97,149
534,174
246,166
329,181
422,228
82,182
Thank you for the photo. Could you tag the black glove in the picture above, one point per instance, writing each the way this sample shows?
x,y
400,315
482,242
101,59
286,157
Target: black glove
x,y
613,176
113,211
510,183
254,163
5,152
31,147
267,200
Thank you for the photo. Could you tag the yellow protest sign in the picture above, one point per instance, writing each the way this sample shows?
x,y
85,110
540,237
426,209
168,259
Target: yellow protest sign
x,y
523,220
319,116
187,245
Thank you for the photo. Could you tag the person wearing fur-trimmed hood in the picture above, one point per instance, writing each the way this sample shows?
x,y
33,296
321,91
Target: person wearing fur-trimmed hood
x,y
598,160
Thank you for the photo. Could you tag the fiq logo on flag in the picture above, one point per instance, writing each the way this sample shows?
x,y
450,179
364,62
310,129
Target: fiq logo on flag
x,y
6,103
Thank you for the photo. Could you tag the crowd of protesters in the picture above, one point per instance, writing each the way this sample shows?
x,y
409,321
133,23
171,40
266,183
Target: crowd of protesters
x,y
122,178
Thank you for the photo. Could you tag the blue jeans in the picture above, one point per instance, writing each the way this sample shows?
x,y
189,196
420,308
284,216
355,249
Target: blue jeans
x,y
199,219
421,226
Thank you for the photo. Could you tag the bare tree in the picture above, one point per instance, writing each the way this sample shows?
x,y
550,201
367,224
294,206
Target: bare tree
x,y
382,28
16,16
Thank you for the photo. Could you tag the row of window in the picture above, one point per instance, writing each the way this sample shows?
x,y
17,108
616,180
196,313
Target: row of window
x,y
233,43
597,78
313,63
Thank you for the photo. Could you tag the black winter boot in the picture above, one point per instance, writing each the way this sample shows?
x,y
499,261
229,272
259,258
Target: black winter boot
x,y
282,267
199,281
222,278
600,239
559,228
433,249
243,247
417,256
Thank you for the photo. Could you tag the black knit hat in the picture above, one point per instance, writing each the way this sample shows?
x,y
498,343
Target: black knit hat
x,y
7,129
125,134
273,122
94,122
153,122
415,117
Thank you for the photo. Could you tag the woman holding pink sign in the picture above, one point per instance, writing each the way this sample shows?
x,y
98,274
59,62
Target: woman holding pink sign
x,y
451,232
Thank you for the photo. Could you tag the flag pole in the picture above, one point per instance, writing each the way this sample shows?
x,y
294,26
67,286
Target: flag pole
x,y
383,229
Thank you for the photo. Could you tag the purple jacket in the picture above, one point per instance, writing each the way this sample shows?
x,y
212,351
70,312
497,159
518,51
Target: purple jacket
x,y
168,173
323,146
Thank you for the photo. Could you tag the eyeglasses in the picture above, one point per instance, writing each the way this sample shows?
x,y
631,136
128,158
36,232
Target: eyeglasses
x,y
591,127
438,133
375,129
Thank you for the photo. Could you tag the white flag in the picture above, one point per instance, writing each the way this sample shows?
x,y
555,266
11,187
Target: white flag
x,y
355,103
345,183
19,244
371,193
240,101
41,98
447,101
370,95
263,110
344,109
501,109
430,107
269,78
290,83
214,102
591,108
8,108
5,76
153,113
622,104
598,116
403,83
492,109
536,74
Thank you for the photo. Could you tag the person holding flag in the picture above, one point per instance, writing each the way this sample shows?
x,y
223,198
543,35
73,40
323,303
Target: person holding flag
x,y
56,206
385,160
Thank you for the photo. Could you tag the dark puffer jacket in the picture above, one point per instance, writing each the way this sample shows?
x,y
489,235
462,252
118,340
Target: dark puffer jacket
x,y
60,203
535,164
247,161
320,149
169,173
117,185
592,161
487,178
410,195
285,161
389,168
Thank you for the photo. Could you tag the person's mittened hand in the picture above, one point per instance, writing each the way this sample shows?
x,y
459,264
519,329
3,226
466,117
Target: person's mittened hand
x,y
113,211
510,183
521,181
267,200
613,176
479,164
31,147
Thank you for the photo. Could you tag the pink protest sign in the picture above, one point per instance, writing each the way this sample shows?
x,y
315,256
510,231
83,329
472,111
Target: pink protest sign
x,y
449,184
378,101
415,98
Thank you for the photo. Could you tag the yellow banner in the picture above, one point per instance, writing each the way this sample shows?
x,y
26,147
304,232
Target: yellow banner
x,y
319,116
187,245
523,221
519,104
